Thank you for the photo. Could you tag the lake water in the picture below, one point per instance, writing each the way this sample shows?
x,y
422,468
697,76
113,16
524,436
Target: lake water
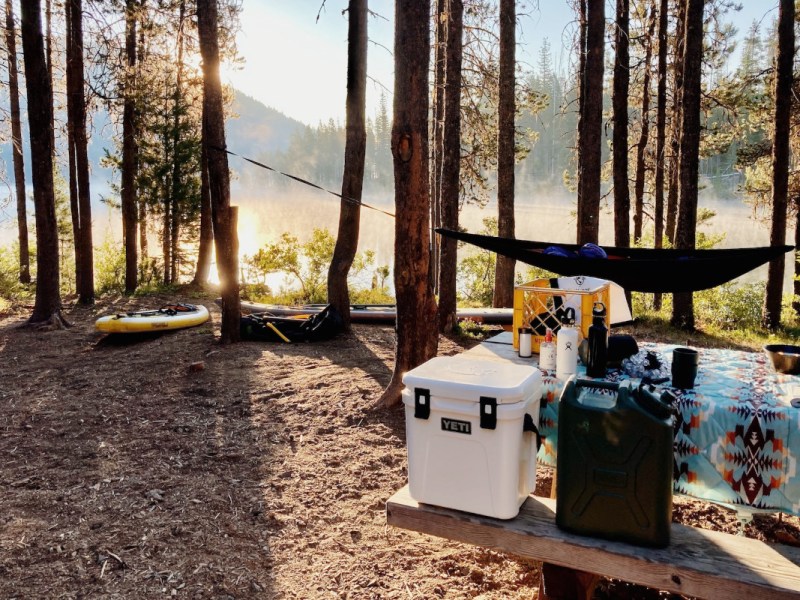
x,y
265,214
551,218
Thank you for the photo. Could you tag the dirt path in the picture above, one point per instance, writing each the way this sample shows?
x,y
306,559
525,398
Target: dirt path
x,y
172,466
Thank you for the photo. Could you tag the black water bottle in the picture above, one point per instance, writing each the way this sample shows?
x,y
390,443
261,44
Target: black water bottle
x,y
598,342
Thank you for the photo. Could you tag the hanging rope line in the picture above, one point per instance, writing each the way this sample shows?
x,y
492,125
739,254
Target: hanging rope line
x,y
301,180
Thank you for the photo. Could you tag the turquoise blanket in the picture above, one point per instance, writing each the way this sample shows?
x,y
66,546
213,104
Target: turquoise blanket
x,y
737,436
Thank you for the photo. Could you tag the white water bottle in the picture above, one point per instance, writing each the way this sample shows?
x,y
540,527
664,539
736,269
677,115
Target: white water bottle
x,y
567,352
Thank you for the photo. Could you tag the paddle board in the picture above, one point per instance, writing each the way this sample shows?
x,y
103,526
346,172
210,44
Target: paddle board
x,y
177,316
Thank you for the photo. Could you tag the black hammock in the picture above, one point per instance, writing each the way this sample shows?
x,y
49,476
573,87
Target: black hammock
x,y
650,270
265,327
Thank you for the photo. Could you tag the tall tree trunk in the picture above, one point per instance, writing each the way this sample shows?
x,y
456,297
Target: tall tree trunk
x,y
504,266
417,336
76,101
437,136
451,164
223,214
780,161
166,226
72,162
644,137
130,150
682,305
47,305
582,26
16,142
622,64
354,157
661,127
675,138
590,149
206,232
72,168
175,187
48,15
166,200
142,222
796,283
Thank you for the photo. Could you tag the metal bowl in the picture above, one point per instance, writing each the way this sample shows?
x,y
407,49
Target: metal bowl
x,y
785,358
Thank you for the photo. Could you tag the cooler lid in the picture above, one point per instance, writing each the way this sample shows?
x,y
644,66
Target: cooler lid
x,y
469,379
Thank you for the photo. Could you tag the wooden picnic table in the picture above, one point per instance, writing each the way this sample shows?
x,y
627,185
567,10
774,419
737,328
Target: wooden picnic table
x,y
698,562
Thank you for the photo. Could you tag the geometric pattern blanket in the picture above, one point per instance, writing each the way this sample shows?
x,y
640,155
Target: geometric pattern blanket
x,y
737,435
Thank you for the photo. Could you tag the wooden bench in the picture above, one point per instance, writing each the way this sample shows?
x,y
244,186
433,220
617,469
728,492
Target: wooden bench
x,y
698,562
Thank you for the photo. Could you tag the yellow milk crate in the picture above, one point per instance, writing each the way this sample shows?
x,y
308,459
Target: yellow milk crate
x,y
541,304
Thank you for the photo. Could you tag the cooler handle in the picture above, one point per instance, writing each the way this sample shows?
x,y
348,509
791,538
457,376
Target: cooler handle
x,y
529,425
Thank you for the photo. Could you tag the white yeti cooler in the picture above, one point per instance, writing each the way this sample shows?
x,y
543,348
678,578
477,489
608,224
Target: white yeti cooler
x,y
471,431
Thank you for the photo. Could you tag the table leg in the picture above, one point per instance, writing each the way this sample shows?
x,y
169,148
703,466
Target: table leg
x,y
562,583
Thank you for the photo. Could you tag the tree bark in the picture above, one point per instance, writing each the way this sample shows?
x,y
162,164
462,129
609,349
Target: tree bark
x,y
661,127
74,207
47,305
16,142
225,236
780,161
451,164
130,151
142,222
582,24
166,217
796,283
417,336
675,141
682,305
72,169
644,137
206,228
141,58
622,198
590,149
175,183
354,158
48,15
504,266
76,100
437,136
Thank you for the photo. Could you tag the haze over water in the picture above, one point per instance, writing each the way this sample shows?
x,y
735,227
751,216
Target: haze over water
x,y
266,213
263,217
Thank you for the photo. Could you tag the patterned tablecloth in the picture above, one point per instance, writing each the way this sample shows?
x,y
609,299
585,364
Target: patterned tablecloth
x,y
737,435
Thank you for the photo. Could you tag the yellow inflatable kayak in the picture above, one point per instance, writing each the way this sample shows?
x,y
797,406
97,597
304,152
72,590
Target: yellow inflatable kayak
x,y
172,316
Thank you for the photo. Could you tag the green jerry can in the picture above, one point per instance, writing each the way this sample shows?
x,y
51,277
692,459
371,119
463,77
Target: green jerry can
x,y
614,476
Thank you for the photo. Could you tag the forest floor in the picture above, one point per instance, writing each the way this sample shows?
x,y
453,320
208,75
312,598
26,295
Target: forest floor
x,y
171,465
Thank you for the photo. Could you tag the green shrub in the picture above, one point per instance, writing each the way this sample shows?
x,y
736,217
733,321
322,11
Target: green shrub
x,y
306,264
11,289
109,267
371,296
729,306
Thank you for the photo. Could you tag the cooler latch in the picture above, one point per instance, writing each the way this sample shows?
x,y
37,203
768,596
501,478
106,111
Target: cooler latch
x,y
488,413
422,403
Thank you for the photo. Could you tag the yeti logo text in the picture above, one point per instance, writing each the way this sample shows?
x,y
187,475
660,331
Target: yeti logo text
x,y
456,426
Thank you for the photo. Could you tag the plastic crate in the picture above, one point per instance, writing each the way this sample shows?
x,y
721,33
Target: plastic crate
x,y
540,305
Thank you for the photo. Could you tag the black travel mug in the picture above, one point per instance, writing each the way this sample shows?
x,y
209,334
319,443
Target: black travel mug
x,y
684,367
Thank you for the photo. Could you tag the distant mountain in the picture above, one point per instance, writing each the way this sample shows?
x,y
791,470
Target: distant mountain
x,y
256,129
253,130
